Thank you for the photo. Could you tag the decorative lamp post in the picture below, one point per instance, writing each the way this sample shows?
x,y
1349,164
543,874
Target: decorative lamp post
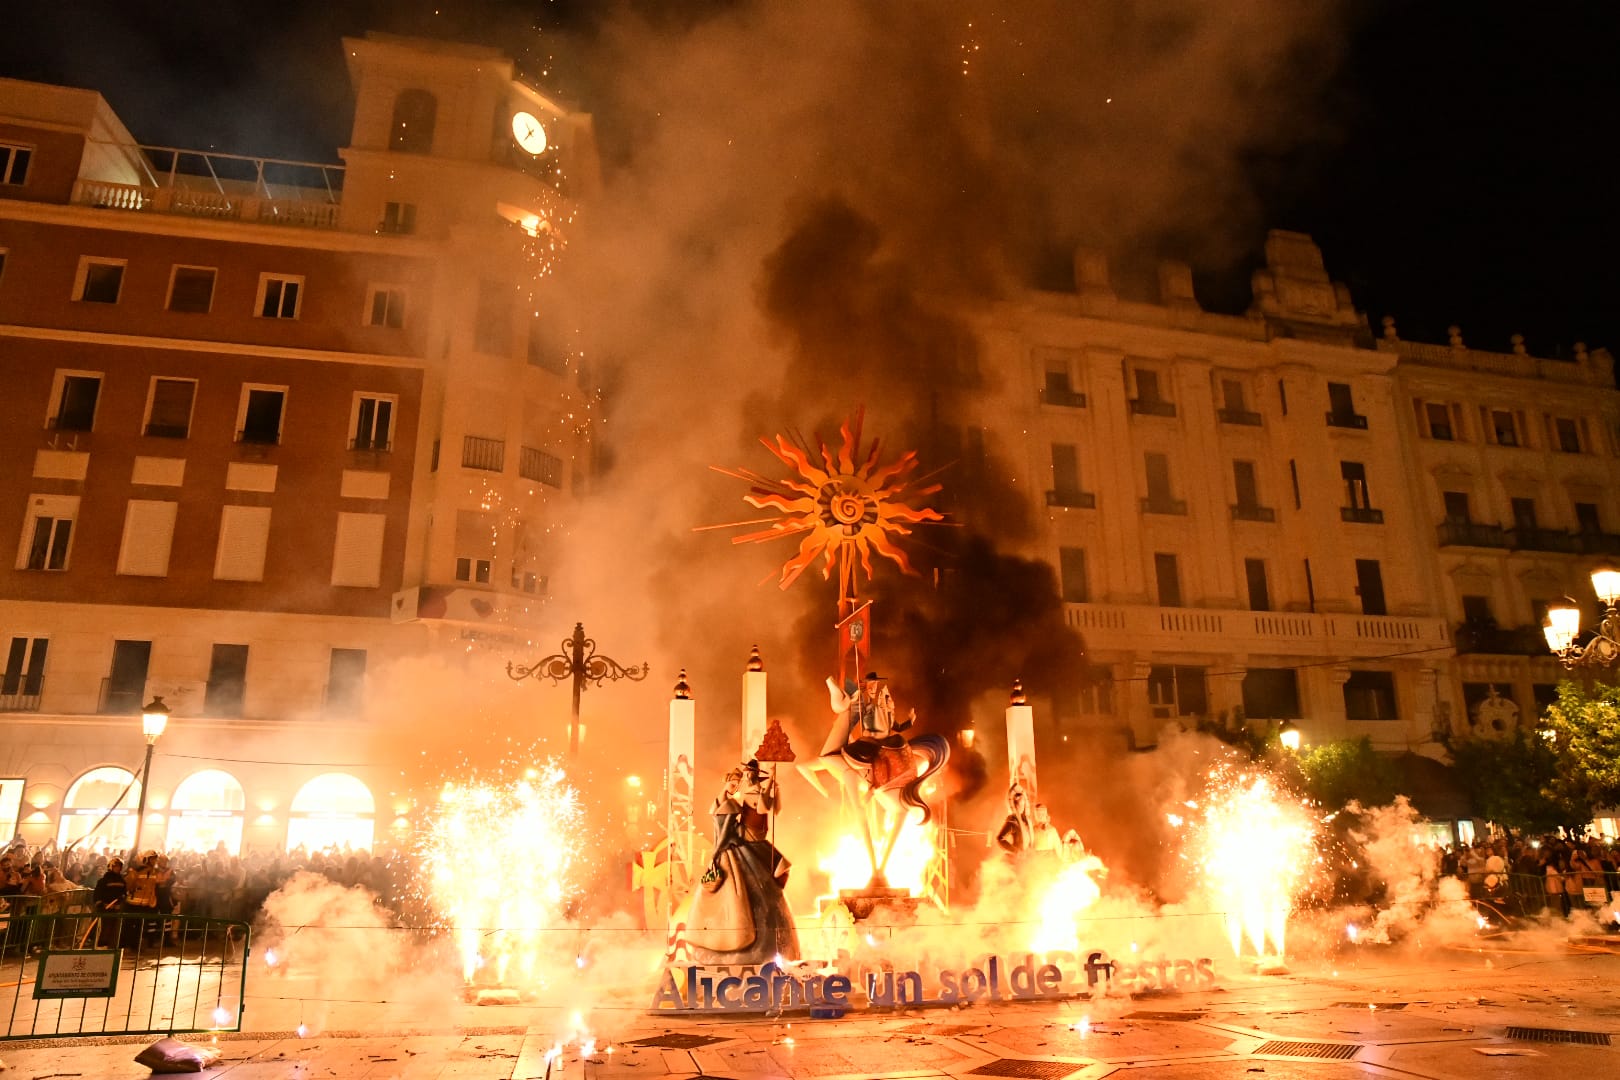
x,y
1564,625
1288,735
154,718
578,662
966,735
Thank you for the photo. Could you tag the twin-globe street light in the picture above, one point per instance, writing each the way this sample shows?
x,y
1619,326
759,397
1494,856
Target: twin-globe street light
x,y
154,718
1564,623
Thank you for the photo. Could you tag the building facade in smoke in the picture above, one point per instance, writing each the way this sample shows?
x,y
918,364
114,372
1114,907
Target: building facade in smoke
x,y
1270,517
269,425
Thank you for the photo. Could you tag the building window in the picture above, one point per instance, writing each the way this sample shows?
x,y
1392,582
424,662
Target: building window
x,y
99,281
1177,691
476,570
346,680
357,552
1587,518
385,306
1355,484
1370,587
1457,510
545,350
1568,435
1503,425
528,581
124,688
1148,400
371,425
492,328
1168,575
1342,407
24,675
1438,421
244,537
74,395
168,408
227,681
280,296
1066,478
1524,513
538,465
1072,575
411,131
1271,694
47,535
148,538
2,264
1370,695
1245,485
1058,385
258,417
191,289
398,218
1477,610
14,161
1259,588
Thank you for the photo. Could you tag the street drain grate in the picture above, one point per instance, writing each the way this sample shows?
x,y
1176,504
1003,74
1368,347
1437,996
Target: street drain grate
x,y
1142,1015
1558,1035
674,1040
1383,1006
1290,1048
1034,1070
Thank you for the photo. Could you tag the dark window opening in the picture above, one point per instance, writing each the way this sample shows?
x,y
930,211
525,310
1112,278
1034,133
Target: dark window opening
x,y
192,290
345,680
171,408
1271,694
1259,588
415,112
1168,575
102,282
261,423
227,681
1370,695
1072,575
76,409
1370,587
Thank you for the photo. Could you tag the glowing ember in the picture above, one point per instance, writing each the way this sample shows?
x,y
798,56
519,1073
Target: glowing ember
x,y
1073,890
498,860
1253,846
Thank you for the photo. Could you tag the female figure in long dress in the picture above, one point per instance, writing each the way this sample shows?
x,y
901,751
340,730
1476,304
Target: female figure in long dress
x,y
739,912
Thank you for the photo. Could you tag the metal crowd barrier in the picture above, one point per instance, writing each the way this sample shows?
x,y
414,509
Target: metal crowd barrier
x,y
86,973
1526,895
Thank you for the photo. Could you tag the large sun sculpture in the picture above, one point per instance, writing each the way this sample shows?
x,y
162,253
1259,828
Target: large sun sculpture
x,y
843,509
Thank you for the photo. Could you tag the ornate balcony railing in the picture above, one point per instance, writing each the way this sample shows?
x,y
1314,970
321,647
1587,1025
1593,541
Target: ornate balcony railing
x,y
1083,500
1238,416
1280,633
1240,512
1472,534
1152,407
1361,515
1535,539
481,453
1354,421
224,187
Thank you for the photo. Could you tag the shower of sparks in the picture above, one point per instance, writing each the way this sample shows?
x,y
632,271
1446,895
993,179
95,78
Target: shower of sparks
x,y
1072,890
498,860
845,508
1254,847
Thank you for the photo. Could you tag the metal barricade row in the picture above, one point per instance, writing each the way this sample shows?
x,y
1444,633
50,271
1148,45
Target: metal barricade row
x,y
85,973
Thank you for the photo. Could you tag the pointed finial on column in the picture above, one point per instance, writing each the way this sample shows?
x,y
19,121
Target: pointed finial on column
x,y
754,662
683,691
1390,333
1017,692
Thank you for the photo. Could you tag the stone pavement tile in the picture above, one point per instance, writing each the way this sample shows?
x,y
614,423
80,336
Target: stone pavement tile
x,y
1460,1061
1245,1069
1111,1040
874,1054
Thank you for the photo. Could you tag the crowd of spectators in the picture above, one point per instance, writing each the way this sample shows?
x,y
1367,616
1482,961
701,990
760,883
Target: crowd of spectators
x,y
215,883
1531,875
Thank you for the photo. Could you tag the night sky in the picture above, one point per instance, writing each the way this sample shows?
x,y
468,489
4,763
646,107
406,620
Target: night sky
x,y
1455,162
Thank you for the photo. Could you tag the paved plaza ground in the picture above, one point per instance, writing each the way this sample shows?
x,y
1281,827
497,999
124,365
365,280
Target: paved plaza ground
x,y
1459,1014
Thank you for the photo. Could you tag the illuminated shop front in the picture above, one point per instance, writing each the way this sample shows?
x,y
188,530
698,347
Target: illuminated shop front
x,y
334,810
98,813
206,811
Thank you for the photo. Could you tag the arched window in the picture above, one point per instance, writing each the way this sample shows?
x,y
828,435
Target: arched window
x,y
106,792
412,130
334,810
207,811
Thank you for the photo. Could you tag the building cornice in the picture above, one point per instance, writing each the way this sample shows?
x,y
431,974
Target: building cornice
x,y
233,348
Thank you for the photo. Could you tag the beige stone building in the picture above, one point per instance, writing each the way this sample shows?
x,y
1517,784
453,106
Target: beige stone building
x,y
265,423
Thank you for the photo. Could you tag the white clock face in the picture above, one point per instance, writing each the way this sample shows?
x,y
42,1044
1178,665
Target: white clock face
x,y
529,132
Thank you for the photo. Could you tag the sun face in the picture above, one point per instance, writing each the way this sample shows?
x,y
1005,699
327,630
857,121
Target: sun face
x,y
843,508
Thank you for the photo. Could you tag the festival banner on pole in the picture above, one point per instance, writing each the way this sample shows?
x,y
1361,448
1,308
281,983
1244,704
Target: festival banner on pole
x,y
855,642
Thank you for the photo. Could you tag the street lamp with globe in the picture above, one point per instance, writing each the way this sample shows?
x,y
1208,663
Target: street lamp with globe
x,y
1564,625
154,718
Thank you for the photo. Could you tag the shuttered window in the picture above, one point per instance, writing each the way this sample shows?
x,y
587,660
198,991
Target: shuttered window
x,y
357,555
244,534
148,536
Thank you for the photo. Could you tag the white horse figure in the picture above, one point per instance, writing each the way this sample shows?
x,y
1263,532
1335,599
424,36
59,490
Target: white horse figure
x,y
878,777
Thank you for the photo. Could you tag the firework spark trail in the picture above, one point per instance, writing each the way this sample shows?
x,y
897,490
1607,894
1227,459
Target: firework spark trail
x,y
1254,847
498,862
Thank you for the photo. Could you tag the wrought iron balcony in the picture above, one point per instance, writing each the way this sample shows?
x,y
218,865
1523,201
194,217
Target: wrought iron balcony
x,y
1472,534
1361,515
1347,420
481,453
1240,512
1161,505
1537,539
379,445
1152,407
1238,416
1083,500
19,702
1062,396
120,700
1599,543
1489,639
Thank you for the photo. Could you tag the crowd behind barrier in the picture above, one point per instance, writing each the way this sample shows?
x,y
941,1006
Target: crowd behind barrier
x,y
1529,876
